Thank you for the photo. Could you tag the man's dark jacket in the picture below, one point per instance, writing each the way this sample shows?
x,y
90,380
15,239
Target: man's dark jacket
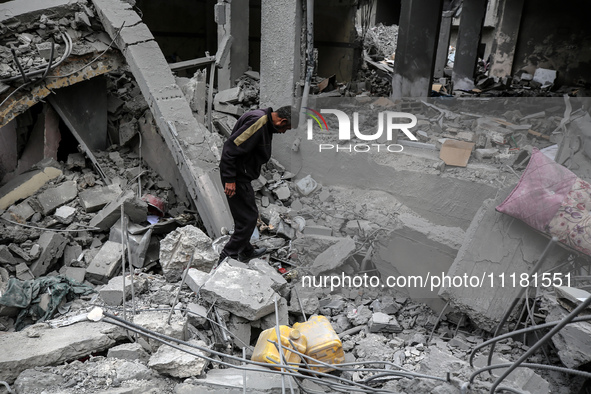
x,y
248,148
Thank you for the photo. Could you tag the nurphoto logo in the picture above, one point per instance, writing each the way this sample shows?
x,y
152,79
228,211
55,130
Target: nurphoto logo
x,y
387,122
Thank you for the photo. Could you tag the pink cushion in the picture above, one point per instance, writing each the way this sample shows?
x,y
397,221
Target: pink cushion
x,y
539,194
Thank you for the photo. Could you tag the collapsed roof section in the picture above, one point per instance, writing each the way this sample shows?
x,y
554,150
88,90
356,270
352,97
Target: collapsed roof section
x,y
184,136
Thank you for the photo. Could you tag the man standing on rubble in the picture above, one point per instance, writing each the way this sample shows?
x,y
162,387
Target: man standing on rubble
x,y
247,149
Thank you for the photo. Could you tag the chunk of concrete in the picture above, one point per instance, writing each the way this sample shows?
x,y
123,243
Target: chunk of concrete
x,y
75,273
243,292
380,322
65,214
55,197
25,185
308,298
572,342
93,200
241,331
178,246
76,160
128,351
6,257
197,315
19,213
158,321
52,246
333,257
128,370
23,272
135,208
33,381
178,363
318,230
228,96
233,379
106,263
112,292
279,282
41,346
282,192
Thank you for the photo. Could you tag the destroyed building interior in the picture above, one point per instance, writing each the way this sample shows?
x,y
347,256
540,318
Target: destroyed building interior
x,y
450,254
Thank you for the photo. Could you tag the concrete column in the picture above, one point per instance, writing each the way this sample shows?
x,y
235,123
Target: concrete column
x,y
236,24
280,51
415,52
443,45
503,47
472,19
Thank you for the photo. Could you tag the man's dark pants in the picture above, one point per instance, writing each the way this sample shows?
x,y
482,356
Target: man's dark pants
x,y
245,213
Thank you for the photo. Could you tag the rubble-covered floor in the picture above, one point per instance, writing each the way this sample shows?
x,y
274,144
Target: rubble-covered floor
x,y
69,228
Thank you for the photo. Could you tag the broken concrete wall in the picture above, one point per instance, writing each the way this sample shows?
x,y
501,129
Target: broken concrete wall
x,y
185,137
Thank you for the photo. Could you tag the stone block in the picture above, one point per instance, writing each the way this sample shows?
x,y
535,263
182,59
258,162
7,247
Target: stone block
x,y
334,257
32,381
105,264
196,279
128,351
177,363
23,272
481,154
178,246
306,296
112,292
270,320
136,209
93,200
243,292
25,185
380,322
55,197
52,246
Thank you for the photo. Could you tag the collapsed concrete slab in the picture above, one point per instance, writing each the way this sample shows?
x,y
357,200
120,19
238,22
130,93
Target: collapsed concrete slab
x,y
39,345
185,137
496,246
243,292
177,248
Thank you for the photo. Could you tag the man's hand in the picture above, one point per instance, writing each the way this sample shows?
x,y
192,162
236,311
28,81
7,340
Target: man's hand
x,y
230,189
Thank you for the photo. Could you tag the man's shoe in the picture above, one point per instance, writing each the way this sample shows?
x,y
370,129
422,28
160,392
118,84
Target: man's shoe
x,y
252,255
